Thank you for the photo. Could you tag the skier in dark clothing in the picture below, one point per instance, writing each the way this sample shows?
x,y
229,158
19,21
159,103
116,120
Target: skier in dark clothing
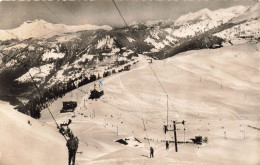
x,y
151,152
72,145
167,145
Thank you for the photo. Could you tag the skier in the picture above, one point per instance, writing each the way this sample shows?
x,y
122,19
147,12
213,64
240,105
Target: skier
x,y
151,152
72,145
167,145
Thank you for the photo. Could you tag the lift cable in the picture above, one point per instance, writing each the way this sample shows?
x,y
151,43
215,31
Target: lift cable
x,y
51,11
146,133
120,13
148,62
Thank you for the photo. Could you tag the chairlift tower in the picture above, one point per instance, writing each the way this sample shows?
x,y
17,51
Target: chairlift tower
x,y
175,133
167,110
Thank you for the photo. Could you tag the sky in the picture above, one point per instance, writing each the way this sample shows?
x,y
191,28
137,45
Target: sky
x,y
103,12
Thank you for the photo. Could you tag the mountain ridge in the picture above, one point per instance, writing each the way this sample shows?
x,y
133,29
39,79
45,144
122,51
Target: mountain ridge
x,y
212,18
42,29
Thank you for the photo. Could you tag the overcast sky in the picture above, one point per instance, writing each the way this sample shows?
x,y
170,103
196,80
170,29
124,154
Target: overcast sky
x,y
103,12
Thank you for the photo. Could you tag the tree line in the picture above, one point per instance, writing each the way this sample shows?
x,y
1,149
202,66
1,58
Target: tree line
x,y
34,106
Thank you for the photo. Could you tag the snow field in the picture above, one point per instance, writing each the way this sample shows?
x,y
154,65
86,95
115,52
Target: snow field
x,y
204,90
24,143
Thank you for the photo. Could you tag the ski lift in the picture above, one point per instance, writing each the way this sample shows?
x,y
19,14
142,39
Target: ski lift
x,y
197,140
165,128
68,106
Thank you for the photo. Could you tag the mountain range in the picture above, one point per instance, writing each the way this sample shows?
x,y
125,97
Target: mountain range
x,y
42,29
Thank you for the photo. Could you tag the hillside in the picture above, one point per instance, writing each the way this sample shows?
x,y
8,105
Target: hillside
x,y
24,143
215,91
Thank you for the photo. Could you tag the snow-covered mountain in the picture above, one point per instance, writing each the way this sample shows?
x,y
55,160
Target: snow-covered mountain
x,y
239,24
246,27
58,53
215,90
251,13
204,20
220,15
43,29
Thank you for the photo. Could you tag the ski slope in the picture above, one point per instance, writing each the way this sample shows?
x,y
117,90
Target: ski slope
x,y
30,144
214,91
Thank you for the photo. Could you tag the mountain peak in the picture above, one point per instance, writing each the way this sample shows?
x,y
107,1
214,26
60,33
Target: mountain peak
x,y
256,7
251,13
191,16
223,15
39,28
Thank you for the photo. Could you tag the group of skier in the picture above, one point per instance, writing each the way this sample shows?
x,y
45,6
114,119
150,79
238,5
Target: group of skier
x,y
73,142
152,150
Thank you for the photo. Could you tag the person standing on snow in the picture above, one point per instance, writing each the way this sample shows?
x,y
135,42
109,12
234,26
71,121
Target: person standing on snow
x,y
72,145
151,152
167,145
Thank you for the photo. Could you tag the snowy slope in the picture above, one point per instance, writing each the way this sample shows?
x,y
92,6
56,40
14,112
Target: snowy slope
x,y
241,33
205,19
43,29
38,73
247,28
52,55
22,143
250,14
191,16
238,24
215,91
